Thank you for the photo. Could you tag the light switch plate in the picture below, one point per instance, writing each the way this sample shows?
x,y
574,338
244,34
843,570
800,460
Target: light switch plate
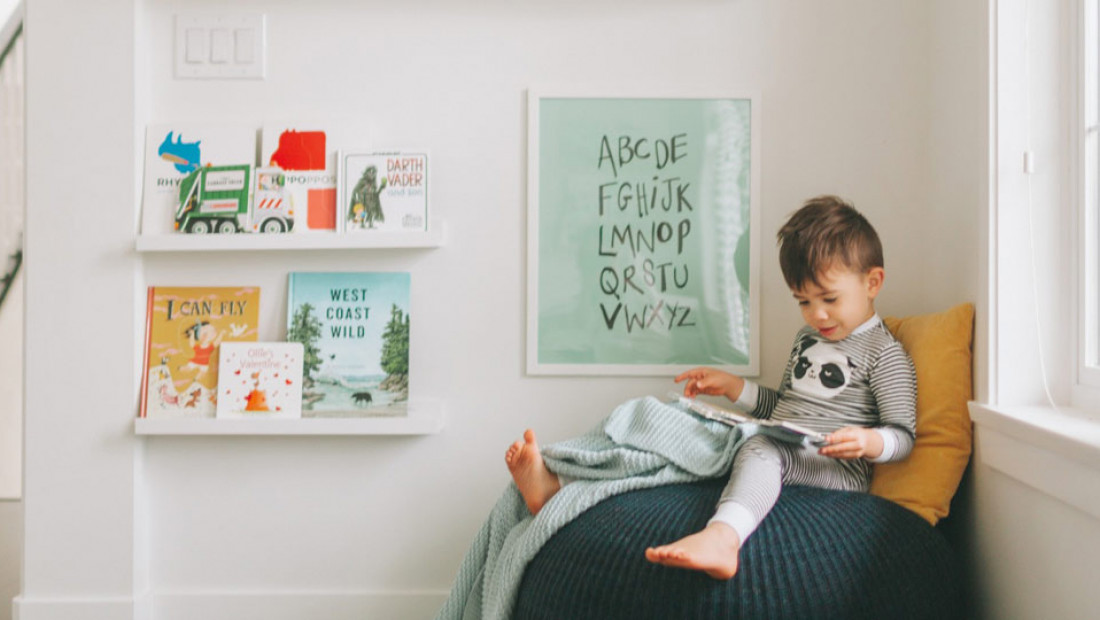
x,y
212,46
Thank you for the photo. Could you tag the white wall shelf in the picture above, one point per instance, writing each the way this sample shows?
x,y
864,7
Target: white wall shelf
x,y
182,242
425,418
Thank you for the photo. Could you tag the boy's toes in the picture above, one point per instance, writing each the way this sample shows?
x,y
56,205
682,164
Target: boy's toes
x,y
512,451
655,554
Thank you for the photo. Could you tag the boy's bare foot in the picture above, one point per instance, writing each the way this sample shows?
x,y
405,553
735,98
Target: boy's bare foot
x,y
712,551
536,483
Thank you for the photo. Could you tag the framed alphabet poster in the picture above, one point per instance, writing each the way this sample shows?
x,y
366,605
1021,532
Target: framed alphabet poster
x,y
643,228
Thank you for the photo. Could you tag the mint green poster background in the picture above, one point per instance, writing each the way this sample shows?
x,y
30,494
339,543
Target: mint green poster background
x,y
643,231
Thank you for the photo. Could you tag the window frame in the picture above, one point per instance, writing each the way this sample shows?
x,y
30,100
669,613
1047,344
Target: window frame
x,y
1087,183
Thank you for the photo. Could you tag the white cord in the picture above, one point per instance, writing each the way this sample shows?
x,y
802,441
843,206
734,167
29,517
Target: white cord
x,y
1028,171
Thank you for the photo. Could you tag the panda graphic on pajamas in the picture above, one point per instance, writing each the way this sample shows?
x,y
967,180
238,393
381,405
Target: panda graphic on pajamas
x,y
820,369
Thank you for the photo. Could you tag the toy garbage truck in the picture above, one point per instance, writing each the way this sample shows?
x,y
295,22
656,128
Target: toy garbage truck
x,y
226,199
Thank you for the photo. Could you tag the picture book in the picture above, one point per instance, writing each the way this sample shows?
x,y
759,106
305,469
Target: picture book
x,y
779,429
383,191
175,150
183,330
354,328
306,156
260,380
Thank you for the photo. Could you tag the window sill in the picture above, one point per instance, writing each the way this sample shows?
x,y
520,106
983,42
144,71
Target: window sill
x,y
1054,451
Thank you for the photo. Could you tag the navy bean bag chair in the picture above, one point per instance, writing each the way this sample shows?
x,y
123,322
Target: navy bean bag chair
x,y
818,554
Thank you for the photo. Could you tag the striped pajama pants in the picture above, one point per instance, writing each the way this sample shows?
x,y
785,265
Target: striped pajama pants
x,y
763,465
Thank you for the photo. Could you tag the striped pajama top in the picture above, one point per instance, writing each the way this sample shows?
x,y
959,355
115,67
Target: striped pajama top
x,y
866,379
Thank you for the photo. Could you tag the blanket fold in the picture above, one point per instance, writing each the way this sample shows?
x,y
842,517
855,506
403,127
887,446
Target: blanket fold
x,y
643,443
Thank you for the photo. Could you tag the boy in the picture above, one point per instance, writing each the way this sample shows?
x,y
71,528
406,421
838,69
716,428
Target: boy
x,y
846,377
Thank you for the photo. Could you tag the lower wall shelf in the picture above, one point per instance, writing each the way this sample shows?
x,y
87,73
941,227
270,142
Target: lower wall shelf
x,y
425,418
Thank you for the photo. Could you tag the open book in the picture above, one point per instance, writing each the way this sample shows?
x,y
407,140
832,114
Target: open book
x,y
785,431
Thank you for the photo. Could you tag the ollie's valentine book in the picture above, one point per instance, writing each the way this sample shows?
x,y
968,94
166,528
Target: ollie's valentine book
x,y
260,380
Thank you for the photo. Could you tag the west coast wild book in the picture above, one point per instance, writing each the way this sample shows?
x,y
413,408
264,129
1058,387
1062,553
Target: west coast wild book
x,y
354,328
260,380
183,330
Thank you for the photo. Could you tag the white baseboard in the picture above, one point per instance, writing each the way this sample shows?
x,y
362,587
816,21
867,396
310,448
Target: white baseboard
x,y
121,608
275,605
270,605
237,606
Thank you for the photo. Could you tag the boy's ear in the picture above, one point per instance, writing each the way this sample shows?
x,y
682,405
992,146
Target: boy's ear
x,y
874,279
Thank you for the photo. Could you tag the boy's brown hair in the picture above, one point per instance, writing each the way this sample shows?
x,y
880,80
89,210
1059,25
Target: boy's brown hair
x,y
826,232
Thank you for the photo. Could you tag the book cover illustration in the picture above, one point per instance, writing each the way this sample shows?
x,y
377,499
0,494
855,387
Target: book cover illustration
x,y
305,155
384,191
260,380
232,199
174,151
184,328
354,328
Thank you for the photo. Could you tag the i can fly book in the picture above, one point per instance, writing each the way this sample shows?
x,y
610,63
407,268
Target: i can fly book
x,y
383,191
183,331
305,154
175,150
260,380
354,328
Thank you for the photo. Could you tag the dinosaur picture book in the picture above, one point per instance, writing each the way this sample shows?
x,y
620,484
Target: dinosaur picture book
x,y
383,191
184,329
175,150
260,380
354,328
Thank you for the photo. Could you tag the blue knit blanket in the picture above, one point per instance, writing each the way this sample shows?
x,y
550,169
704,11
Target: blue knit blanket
x,y
643,443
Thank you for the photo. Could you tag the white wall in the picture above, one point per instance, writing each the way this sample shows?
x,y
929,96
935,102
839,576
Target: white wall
x,y
11,390
11,445
958,152
11,553
225,527
11,403
80,470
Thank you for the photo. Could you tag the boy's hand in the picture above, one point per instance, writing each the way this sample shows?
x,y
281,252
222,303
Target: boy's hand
x,y
853,442
711,381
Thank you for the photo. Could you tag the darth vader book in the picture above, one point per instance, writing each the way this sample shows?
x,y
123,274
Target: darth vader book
x,y
383,192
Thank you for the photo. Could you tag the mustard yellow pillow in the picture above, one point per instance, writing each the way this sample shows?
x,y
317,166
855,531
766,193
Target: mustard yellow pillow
x,y
939,345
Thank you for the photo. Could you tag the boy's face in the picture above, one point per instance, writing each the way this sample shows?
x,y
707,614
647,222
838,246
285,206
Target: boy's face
x,y
843,301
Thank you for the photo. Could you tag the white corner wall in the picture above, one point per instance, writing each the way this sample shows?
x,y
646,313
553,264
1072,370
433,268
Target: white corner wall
x,y
11,445
11,391
80,463
177,527
11,554
11,384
